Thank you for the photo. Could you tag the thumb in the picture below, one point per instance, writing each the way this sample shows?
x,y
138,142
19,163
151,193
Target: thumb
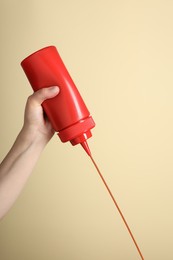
x,y
45,93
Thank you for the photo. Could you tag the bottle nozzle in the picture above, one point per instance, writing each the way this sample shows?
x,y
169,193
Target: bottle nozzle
x,y
82,139
86,147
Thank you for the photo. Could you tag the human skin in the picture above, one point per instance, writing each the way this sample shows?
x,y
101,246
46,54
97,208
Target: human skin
x,y
18,164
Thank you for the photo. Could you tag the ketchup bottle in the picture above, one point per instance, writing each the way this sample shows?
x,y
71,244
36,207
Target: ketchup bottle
x,y
67,111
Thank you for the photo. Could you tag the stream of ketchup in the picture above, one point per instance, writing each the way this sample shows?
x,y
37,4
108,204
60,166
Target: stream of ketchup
x,y
118,208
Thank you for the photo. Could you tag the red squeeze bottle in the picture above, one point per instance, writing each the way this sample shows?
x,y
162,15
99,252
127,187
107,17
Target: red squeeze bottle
x,y
67,111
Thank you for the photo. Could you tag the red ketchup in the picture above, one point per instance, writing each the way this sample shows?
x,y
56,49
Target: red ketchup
x,y
67,111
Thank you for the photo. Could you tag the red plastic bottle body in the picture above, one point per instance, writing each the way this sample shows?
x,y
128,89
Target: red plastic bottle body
x,y
67,111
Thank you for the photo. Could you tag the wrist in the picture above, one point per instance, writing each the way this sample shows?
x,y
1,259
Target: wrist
x,y
29,136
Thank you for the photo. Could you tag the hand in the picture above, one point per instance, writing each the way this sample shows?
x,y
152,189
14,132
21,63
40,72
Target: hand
x,y
36,125
22,157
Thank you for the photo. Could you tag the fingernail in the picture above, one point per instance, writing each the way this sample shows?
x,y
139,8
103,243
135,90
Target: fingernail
x,y
54,89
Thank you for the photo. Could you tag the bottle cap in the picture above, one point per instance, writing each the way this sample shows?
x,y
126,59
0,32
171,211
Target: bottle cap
x,y
77,133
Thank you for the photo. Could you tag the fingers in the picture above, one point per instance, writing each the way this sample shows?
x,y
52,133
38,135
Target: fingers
x,y
45,93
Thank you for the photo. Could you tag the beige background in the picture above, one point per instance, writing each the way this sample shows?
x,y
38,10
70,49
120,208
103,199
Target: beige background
x,y
120,55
